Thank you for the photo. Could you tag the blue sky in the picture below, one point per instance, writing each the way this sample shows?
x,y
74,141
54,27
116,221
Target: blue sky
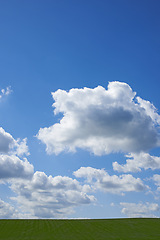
x,y
69,160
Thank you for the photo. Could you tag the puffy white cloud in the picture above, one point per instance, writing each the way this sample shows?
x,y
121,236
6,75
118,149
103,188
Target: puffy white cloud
x,y
21,147
38,196
13,167
134,210
102,121
6,210
6,141
150,110
9,145
100,179
136,162
50,197
5,92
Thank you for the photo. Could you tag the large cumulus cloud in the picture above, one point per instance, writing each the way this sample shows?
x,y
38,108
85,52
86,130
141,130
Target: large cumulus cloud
x,y
102,121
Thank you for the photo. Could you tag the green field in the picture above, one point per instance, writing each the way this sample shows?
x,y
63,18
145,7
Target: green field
x,y
128,229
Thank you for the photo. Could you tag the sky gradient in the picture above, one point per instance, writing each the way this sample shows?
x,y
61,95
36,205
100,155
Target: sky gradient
x,y
79,104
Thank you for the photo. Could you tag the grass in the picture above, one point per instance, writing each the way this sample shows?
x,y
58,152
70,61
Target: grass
x,y
100,229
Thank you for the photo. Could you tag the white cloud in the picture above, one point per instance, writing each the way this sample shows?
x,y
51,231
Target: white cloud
x,y
5,92
38,196
6,210
150,110
134,210
102,121
9,145
49,197
13,167
136,162
112,204
6,141
156,179
100,179
21,147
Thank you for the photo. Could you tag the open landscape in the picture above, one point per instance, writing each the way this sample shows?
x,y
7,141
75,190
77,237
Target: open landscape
x,y
79,120
92,229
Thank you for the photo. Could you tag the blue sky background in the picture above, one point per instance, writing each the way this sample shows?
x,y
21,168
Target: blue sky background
x,y
51,45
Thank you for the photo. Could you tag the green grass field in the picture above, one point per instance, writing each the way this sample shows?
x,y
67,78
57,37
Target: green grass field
x,y
128,229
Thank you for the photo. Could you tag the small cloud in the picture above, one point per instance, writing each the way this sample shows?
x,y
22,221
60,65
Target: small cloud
x,y
5,92
137,161
156,179
99,179
139,210
21,147
112,204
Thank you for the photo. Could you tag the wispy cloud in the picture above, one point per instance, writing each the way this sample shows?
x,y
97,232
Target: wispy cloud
x,y
5,92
